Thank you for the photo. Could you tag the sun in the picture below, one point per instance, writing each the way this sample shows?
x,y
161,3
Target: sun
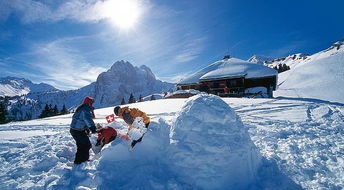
x,y
123,13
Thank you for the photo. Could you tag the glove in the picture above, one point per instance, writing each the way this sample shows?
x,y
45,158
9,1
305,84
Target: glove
x,y
93,129
99,127
87,131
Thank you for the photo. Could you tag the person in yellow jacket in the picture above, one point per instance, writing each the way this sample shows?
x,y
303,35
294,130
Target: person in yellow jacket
x,y
129,115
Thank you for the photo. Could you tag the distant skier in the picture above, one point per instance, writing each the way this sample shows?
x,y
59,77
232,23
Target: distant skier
x,y
226,90
80,128
137,120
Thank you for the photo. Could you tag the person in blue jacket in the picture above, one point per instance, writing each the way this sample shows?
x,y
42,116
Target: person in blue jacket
x,y
82,124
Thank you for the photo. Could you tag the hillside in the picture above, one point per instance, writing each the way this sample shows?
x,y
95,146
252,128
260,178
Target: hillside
x,y
319,76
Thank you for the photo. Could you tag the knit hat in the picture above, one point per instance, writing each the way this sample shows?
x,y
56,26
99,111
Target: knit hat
x,y
116,109
88,100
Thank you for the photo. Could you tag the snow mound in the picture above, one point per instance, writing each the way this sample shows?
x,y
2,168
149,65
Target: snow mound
x,y
211,147
256,92
183,93
206,146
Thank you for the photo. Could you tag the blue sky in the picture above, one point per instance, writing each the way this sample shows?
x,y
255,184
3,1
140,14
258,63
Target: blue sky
x,y
68,43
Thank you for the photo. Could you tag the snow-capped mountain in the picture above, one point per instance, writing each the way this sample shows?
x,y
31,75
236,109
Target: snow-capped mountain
x,y
111,86
290,60
122,79
13,86
260,59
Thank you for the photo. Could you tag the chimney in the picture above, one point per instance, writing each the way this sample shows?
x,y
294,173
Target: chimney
x,y
226,57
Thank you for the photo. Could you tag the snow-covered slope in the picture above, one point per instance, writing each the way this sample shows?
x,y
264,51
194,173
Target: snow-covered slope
x,y
111,86
12,86
319,76
300,142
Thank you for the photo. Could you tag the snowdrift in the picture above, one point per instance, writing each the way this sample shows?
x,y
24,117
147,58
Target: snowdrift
x,y
205,147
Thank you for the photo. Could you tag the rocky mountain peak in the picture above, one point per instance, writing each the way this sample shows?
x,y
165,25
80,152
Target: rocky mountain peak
x,y
260,59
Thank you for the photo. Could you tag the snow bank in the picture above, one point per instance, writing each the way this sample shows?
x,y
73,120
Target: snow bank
x,y
205,147
257,92
183,93
154,96
211,147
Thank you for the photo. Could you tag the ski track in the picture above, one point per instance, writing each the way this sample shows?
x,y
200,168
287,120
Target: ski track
x,y
309,151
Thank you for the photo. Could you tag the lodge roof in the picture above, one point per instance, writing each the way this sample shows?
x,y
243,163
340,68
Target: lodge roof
x,y
229,68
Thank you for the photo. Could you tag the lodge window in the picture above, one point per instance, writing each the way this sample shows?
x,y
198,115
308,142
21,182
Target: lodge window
x,y
216,85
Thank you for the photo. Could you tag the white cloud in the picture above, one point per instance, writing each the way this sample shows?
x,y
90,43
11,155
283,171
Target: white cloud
x,y
78,10
191,50
64,65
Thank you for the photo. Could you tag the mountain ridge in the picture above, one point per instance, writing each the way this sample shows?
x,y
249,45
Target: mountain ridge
x,y
121,80
293,60
14,86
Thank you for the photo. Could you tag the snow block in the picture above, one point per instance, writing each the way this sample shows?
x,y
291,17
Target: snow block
x,y
211,148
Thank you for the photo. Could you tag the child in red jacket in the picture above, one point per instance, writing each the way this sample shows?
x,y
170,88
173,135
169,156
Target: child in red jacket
x,y
105,135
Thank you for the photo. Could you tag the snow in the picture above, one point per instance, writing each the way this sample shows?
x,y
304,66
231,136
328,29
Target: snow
x,y
210,142
320,77
257,92
291,60
190,91
232,67
156,96
300,142
6,135
260,59
12,86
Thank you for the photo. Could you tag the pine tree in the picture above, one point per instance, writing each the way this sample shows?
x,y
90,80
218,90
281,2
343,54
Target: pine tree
x,y
280,68
45,112
123,101
63,110
3,112
55,110
276,68
140,98
50,111
152,97
131,99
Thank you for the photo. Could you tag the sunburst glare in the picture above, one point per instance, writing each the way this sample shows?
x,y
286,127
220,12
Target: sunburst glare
x,y
123,13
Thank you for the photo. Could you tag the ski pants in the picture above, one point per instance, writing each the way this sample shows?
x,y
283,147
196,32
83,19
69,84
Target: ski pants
x,y
83,146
